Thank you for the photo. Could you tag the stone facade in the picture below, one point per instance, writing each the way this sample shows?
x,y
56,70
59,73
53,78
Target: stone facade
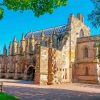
x,y
87,65
53,56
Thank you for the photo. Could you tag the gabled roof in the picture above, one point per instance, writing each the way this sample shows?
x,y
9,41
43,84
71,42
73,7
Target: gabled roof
x,y
58,30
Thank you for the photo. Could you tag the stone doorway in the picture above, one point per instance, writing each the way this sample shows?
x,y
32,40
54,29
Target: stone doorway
x,y
31,73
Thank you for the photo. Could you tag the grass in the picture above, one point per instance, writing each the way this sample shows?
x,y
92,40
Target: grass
x,y
5,96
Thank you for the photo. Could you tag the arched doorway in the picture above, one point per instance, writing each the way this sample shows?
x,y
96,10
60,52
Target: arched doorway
x,y
31,73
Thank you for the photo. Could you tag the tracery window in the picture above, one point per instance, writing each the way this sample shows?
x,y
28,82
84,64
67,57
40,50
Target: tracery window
x,y
81,33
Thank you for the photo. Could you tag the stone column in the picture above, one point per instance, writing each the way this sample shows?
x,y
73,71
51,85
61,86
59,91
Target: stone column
x,y
15,74
25,73
7,74
37,75
51,66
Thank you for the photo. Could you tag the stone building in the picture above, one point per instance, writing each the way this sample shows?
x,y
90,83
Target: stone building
x,y
57,55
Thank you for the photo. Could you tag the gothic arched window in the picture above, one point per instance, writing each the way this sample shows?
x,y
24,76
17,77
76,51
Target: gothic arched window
x,y
81,33
85,52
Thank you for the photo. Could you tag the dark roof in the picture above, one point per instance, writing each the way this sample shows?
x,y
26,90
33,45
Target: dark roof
x,y
47,32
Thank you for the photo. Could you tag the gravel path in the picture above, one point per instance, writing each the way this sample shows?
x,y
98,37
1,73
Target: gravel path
x,y
57,92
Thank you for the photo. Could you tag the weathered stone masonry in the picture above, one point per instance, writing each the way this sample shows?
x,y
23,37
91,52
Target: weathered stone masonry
x,y
53,56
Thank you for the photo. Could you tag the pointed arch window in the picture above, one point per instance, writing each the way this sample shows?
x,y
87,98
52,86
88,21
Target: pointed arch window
x,y
81,33
85,52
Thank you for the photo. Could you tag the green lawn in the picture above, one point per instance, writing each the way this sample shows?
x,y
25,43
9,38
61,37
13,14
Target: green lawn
x,y
5,96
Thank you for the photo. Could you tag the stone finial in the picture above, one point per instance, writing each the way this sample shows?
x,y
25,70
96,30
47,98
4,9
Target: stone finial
x,y
42,34
14,39
5,50
18,47
50,42
28,42
32,36
4,46
10,48
23,38
10,45
80,17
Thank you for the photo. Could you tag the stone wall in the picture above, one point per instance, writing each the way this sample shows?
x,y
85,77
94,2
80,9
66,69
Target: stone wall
x,y
44,65
86,67
75,27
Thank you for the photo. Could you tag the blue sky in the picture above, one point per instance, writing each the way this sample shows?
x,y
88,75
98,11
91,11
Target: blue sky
x,y
16,23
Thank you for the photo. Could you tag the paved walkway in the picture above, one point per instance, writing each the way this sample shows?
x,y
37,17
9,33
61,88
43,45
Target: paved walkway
x,y
56,92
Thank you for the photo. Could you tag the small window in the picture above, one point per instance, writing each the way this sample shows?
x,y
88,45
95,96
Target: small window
x,y
85,52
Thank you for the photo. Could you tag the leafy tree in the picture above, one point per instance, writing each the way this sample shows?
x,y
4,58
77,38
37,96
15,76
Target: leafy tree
x,y
94,17
1,13
39,7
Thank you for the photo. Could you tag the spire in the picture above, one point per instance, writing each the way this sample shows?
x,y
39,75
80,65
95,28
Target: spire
x,y
5,50
5,46
10,48
42,35
23,38
10,44
14,46
14,39
18,47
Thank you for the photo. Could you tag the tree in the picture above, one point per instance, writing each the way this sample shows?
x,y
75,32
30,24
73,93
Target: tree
x,y
1,13
38,7
94,17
